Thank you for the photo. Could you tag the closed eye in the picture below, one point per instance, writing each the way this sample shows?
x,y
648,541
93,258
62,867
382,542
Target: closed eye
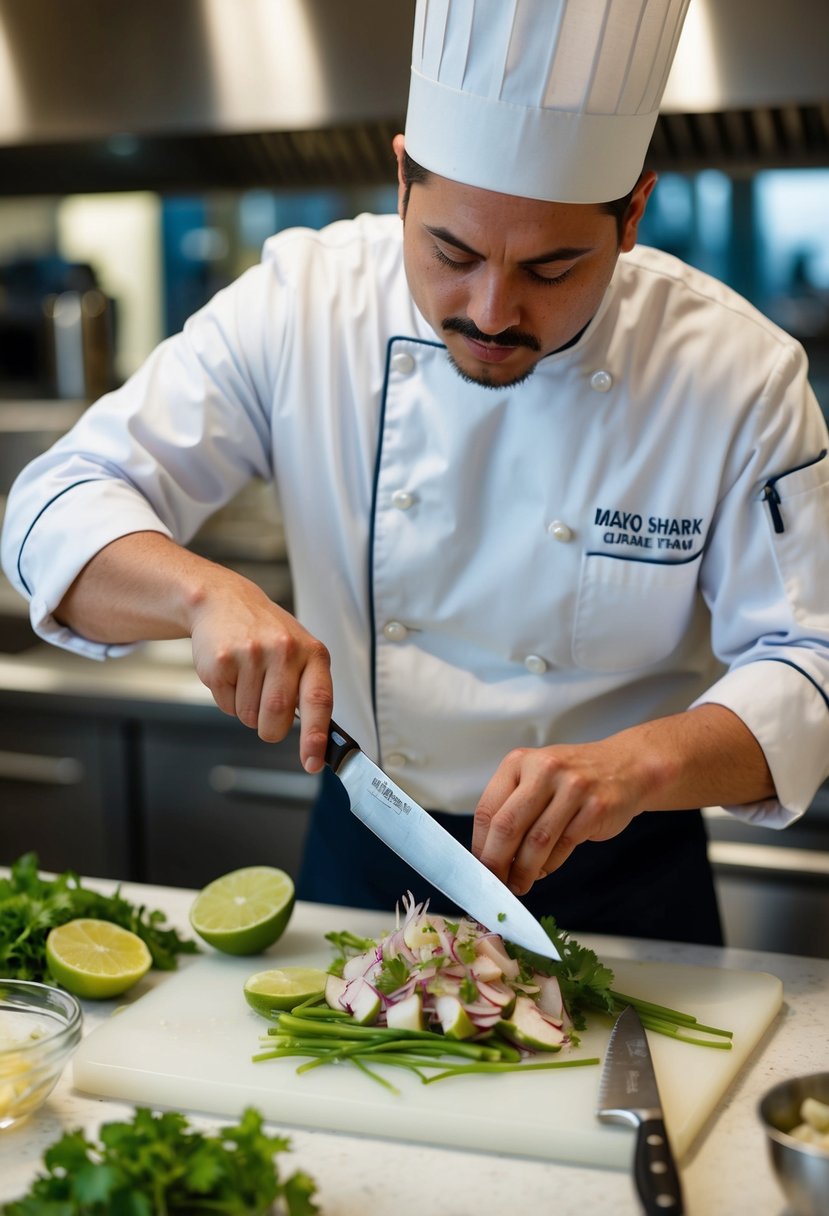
x,y
453,263
550,280
465,261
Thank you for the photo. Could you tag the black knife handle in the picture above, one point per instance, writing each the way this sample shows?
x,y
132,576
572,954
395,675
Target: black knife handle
x,y
339,746
657,1180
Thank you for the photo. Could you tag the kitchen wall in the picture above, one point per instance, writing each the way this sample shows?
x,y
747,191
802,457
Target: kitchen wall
x,y
159,257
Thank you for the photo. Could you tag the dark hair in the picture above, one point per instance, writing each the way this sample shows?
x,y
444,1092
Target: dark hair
x,y
414,173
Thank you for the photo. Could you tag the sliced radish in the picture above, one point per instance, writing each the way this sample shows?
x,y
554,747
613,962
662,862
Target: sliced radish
x,y
483,967
549,999
360,964
493,947
441,986
362,1001
498,994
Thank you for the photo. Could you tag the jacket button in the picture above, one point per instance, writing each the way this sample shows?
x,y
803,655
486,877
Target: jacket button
x,y
402,363
601,381
395,631
559,531
402,499
535,665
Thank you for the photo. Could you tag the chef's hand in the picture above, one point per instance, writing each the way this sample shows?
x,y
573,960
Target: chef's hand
x,y
543,802
256,659
260,665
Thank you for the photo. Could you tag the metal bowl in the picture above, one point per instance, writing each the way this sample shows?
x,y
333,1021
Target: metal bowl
x,y
802,1169
40,1027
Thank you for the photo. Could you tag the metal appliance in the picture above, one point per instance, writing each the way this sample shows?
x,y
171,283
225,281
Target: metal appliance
x,y
274,93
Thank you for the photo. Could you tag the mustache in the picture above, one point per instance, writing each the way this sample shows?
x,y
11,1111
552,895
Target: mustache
x,y
507,337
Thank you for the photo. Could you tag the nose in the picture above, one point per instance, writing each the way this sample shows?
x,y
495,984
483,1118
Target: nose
x,y
492,304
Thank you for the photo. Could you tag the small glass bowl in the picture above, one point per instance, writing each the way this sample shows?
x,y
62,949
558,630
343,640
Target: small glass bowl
x,y
40,1027
802,1169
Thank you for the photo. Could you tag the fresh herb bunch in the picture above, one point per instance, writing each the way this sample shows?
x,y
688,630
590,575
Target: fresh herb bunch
x,y
585,982
587,986
156,1165
32,905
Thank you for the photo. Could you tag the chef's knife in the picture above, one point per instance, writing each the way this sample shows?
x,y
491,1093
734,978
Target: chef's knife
x,y
628,1094
415,836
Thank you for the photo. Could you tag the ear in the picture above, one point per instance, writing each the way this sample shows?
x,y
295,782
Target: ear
x,y
636,209
399,146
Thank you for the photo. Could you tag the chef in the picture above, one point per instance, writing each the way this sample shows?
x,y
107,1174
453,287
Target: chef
x,y
556,505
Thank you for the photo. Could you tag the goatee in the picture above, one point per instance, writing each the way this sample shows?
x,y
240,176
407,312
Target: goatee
x,y
484,380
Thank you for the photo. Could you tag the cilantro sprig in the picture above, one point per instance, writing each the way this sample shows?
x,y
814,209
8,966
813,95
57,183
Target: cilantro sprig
x,y
31,905
587,987
157,1165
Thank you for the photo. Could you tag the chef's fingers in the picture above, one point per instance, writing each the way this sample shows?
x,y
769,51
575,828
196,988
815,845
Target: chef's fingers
x,y
500,819
553,837
316,704
224,694
498,789
295,674
219,672
541,804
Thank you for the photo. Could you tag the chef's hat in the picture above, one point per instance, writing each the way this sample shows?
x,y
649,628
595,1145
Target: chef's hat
x,y
547,99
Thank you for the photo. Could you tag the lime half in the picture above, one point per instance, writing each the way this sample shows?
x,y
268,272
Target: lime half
x,y
284,987
95,958
245,911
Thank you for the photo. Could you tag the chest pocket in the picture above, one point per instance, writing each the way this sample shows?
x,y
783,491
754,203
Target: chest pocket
x,y
631,613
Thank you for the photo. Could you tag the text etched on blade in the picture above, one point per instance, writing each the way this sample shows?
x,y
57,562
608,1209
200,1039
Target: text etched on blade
x,y
386,792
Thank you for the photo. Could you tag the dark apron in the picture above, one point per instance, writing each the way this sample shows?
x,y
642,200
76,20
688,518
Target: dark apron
x,y
653,880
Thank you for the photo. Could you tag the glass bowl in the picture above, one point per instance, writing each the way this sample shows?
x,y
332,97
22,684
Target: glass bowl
x,y
40,1027
802,1169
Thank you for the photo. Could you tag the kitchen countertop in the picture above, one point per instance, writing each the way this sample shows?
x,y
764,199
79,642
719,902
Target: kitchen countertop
x,y
156,676
726,1171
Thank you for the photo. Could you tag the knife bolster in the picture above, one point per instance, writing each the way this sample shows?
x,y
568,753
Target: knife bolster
x,y
339,746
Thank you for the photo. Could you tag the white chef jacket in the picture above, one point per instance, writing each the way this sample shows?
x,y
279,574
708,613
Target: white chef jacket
x,y
641,526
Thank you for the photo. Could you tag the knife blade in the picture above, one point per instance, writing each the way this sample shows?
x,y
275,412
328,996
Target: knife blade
x,y
628,1094
414,835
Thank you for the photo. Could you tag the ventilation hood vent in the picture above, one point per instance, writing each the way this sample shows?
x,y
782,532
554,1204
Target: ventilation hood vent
x,y
175,95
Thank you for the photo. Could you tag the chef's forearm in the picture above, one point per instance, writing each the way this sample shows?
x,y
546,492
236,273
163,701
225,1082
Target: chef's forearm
x,y
257,660
140,587
704,757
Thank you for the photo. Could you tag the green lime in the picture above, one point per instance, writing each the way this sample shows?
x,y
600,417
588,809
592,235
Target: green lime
x,y
244,911
95,958
284,987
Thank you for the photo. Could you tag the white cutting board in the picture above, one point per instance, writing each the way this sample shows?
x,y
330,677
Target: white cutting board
x,y
188,1043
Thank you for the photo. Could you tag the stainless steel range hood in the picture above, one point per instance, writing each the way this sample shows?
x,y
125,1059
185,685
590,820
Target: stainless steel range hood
x,y
193,94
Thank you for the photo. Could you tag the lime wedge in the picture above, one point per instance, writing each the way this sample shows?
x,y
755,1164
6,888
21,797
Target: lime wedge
x,y
284,987
95,958
245,911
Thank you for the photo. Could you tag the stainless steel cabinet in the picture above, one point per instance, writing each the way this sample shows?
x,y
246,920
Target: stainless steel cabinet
x,y
215,797
63,792
773,886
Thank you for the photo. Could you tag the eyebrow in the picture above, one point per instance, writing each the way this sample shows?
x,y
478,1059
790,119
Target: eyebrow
x,y
564,253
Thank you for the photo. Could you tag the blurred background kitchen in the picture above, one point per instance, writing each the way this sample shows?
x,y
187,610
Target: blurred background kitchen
x,y
146,153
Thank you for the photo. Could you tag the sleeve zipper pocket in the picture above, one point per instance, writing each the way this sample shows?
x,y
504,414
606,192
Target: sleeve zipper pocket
x,y
771,495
